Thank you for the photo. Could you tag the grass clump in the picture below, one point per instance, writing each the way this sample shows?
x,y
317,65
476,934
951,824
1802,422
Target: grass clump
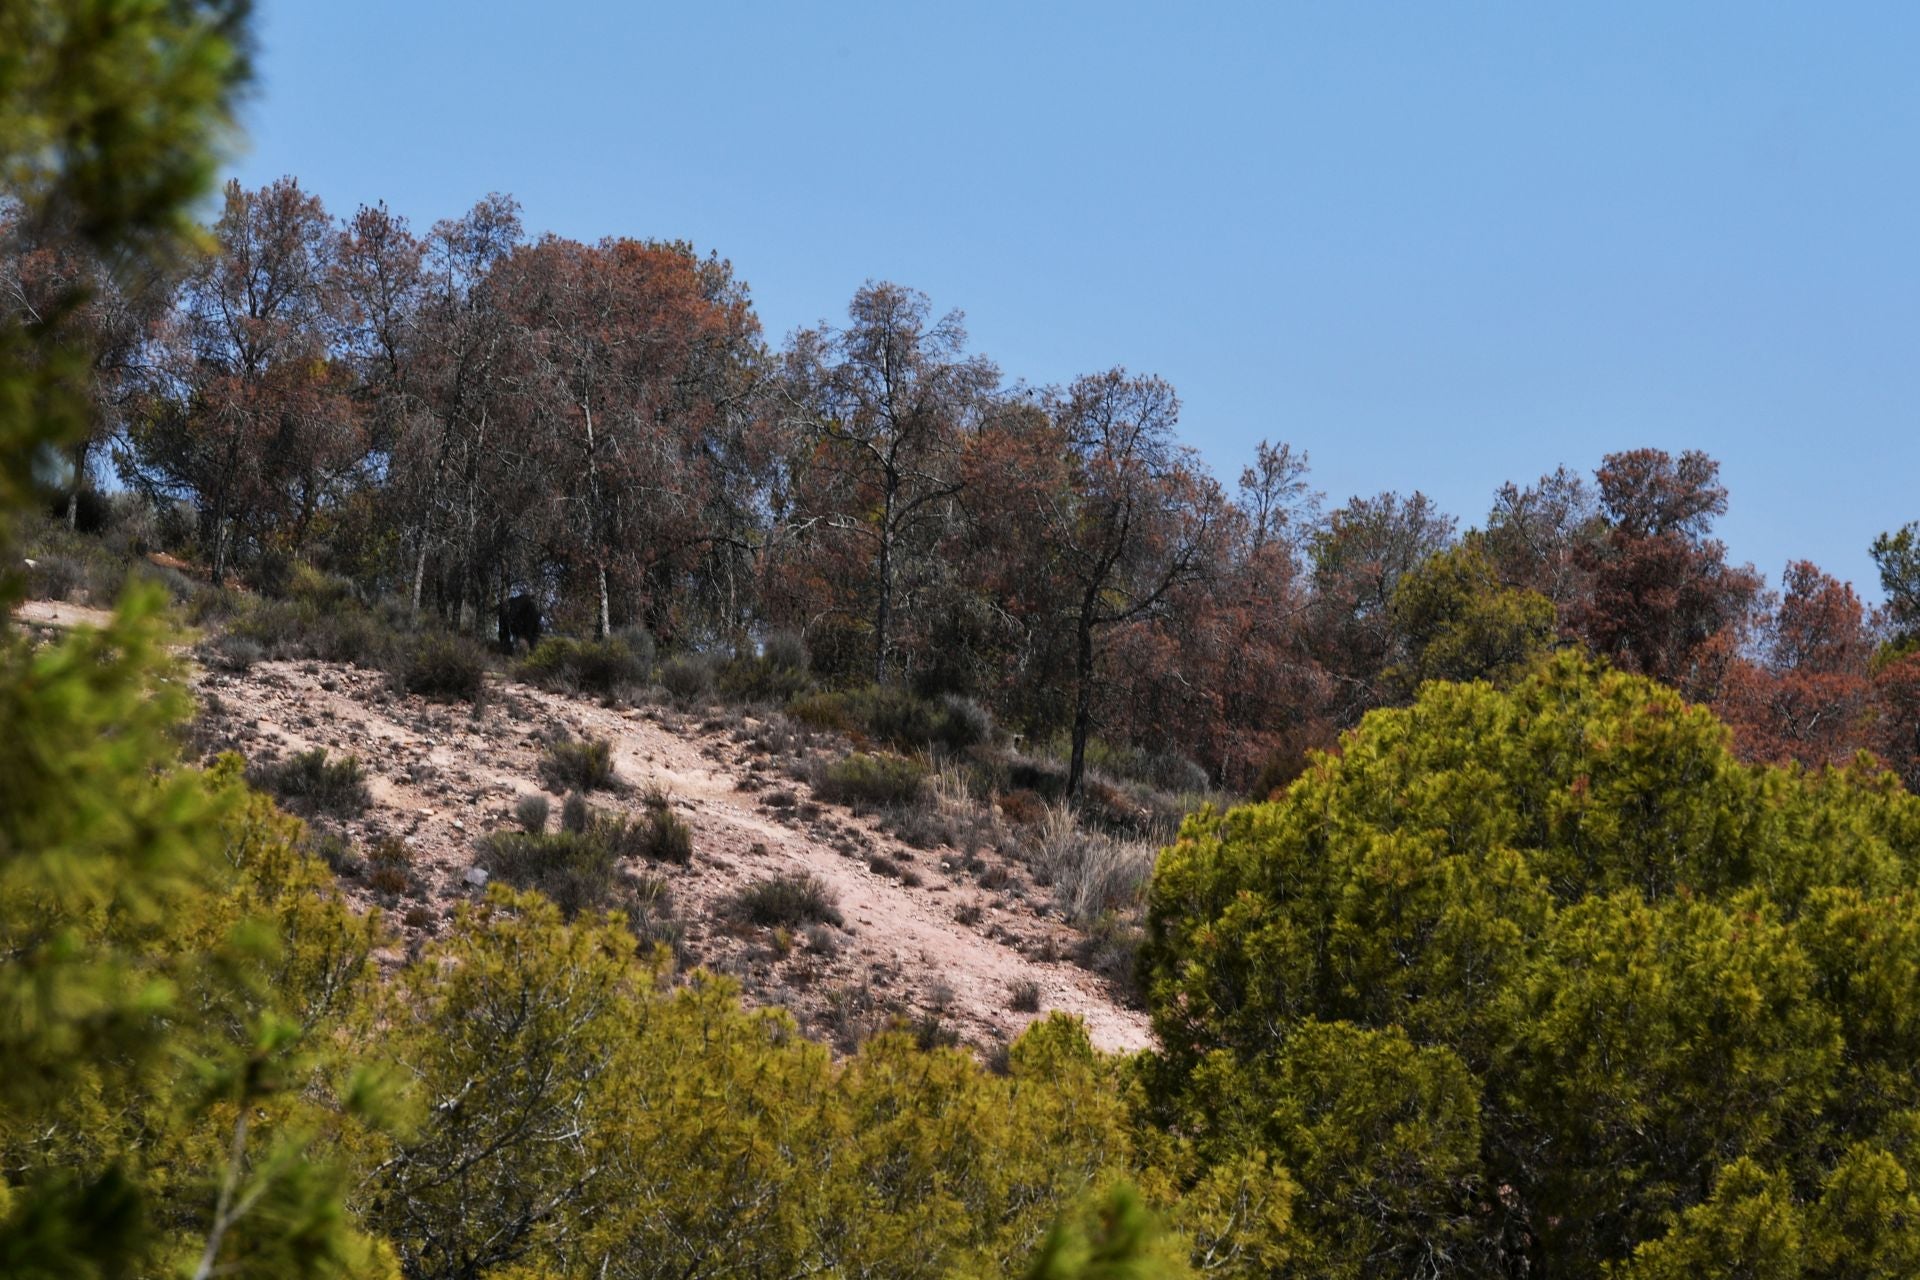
x,y
1093,874
310,783
785,902
1024,996
586,666
870,779
571,764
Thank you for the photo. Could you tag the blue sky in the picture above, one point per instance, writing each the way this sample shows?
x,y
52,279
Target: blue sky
x,y
1437,246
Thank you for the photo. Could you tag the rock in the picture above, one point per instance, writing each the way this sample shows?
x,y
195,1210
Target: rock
x,y
476,876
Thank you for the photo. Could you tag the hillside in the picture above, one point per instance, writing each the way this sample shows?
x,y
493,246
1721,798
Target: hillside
x,y
925,937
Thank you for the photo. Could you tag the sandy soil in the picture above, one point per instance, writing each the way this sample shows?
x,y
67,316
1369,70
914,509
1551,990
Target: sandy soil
x,y
948,946
60,615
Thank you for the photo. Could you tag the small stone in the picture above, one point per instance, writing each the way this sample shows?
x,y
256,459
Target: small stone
x,y
476,876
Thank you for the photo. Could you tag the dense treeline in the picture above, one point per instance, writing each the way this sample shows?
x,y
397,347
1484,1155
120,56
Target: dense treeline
x,y
450,417
1534,976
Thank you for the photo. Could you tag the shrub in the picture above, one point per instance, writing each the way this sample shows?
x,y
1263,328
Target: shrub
x,y
580,765
586,666
864,779
688,676
668,838
575,812
309,783
445,668
897,717
785,651
388,879
930,1033
230,652
1024,996
531,813
785,902
640,645
650,917
1023,808
573,868
333,849
325,591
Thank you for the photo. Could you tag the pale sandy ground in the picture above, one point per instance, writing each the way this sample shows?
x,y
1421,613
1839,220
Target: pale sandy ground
x,y
59,614
441,776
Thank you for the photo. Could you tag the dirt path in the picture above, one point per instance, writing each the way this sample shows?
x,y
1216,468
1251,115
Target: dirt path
x,y
948,935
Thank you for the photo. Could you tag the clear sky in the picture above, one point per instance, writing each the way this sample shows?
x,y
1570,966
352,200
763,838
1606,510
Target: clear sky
x,y
1436,245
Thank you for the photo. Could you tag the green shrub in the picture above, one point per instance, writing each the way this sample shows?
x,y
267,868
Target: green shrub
x,y
584,666
445,668
778,673
575,813
864,779
325,591
668,838
640,644
574,868
531,813
785,902
688,676
898,717
290,629
571,764
230,652
785,651
827,712
309,783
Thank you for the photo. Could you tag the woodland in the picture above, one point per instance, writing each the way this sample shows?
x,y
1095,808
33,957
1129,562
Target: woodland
x,y
1550,905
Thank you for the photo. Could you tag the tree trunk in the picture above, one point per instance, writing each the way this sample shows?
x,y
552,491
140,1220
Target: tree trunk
x,y
883,610
79,480
882,615
603,625
1082,699
419,571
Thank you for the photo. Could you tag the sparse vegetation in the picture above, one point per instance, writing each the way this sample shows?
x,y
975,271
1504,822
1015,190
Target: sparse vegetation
x,y
866,780
668,838
531,812
579,765
444,668
787,902
1024,996
587,666
1092,874
688,676
312,784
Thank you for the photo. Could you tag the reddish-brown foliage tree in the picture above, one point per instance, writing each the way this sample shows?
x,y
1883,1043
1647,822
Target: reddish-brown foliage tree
x,y
265,434
1803,693
1662,587
626,370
